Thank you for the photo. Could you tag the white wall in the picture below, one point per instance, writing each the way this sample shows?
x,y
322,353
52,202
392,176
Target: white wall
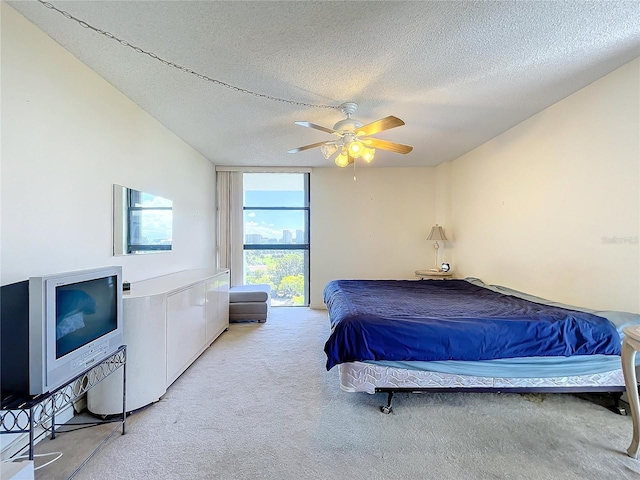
x,y
67,136
537,207
375,227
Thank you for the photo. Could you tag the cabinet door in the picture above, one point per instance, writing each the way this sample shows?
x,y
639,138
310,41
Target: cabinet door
x,y
145,334
223,299
217,291
211,293
186,329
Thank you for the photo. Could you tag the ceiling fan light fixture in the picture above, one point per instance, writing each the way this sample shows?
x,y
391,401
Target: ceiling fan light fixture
x,y
367,154
356,149
328,149
342,160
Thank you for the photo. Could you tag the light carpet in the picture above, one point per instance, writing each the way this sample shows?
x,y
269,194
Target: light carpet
x,y
259,404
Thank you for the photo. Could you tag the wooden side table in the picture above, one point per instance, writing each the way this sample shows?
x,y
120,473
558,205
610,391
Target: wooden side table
x,y
630,346
431,275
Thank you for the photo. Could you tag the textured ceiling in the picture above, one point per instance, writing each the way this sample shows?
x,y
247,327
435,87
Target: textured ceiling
x,y
458,73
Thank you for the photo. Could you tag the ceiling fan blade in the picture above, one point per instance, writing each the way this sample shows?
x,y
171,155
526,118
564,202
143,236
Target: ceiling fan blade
x,y
306,147
385,145
317,127
380,125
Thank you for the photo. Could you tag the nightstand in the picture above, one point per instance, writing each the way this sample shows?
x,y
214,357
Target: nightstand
x,y
431,275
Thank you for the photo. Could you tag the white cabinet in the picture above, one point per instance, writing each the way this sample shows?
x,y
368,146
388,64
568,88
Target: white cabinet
x,y
217,306
168,322
186,329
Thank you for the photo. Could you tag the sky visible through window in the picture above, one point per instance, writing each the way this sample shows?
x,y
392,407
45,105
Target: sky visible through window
x,y
274,226
153,224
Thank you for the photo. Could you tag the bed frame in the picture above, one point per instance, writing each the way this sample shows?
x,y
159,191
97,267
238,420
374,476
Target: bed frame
x,y
371,378
615,394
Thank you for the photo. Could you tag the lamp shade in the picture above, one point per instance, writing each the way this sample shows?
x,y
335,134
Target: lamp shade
x,y
437,233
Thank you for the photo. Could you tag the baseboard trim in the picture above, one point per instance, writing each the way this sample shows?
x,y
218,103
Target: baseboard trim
x,y
317,306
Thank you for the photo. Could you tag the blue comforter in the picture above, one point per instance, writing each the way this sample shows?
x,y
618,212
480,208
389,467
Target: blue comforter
x,y
453,320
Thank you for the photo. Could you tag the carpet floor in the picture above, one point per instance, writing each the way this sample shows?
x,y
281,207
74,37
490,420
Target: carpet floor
x,y
259,404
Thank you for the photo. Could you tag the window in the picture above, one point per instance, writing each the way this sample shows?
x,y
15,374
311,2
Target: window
x,y
276,234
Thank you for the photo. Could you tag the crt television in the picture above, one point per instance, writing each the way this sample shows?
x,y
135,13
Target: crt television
x,y
55,326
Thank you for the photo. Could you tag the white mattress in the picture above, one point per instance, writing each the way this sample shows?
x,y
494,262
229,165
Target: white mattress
x,y
366,377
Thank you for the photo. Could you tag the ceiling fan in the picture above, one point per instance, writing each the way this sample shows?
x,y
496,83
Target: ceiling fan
x,y
353,138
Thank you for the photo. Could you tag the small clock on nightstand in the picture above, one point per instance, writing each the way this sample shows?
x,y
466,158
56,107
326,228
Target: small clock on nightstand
x,y
433,274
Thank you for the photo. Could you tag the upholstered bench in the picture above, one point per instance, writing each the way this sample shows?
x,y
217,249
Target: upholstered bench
x,y
249,302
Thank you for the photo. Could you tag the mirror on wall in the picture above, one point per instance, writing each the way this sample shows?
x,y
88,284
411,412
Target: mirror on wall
x,y
142,222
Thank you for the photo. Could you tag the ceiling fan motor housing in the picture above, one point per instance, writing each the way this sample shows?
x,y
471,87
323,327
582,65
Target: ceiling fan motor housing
x,y
348,124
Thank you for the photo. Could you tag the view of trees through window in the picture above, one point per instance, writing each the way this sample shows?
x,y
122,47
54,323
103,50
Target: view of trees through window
x,y
282,269
276,235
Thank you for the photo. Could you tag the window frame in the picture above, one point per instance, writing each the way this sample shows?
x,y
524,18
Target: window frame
x,y
306,246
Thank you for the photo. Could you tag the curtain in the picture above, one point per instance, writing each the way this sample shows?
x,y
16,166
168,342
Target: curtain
x,y
229,253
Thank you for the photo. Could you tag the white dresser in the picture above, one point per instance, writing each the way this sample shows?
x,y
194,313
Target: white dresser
x,y
168,322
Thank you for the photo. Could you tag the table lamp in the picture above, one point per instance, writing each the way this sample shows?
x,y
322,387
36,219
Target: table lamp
x,y
437,233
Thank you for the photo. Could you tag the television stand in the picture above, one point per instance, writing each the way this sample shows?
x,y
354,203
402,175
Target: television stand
x,y
27,414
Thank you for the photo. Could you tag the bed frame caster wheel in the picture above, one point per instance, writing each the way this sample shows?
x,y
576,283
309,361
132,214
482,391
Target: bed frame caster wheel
x,y
620,410
619,406
387,409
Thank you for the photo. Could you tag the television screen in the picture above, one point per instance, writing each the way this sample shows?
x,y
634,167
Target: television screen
x,y
85,311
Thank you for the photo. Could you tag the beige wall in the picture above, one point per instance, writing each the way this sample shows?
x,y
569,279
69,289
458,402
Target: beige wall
x,y
538,207
67,136
374,227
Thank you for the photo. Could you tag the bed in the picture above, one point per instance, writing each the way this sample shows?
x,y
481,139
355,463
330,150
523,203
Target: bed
x,y
464,335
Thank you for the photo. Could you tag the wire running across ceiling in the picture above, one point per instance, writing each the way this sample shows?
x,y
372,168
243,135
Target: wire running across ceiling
x,y
220,83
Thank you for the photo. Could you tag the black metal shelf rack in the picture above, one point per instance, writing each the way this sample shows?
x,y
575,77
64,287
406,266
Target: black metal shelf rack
x,y
29,414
